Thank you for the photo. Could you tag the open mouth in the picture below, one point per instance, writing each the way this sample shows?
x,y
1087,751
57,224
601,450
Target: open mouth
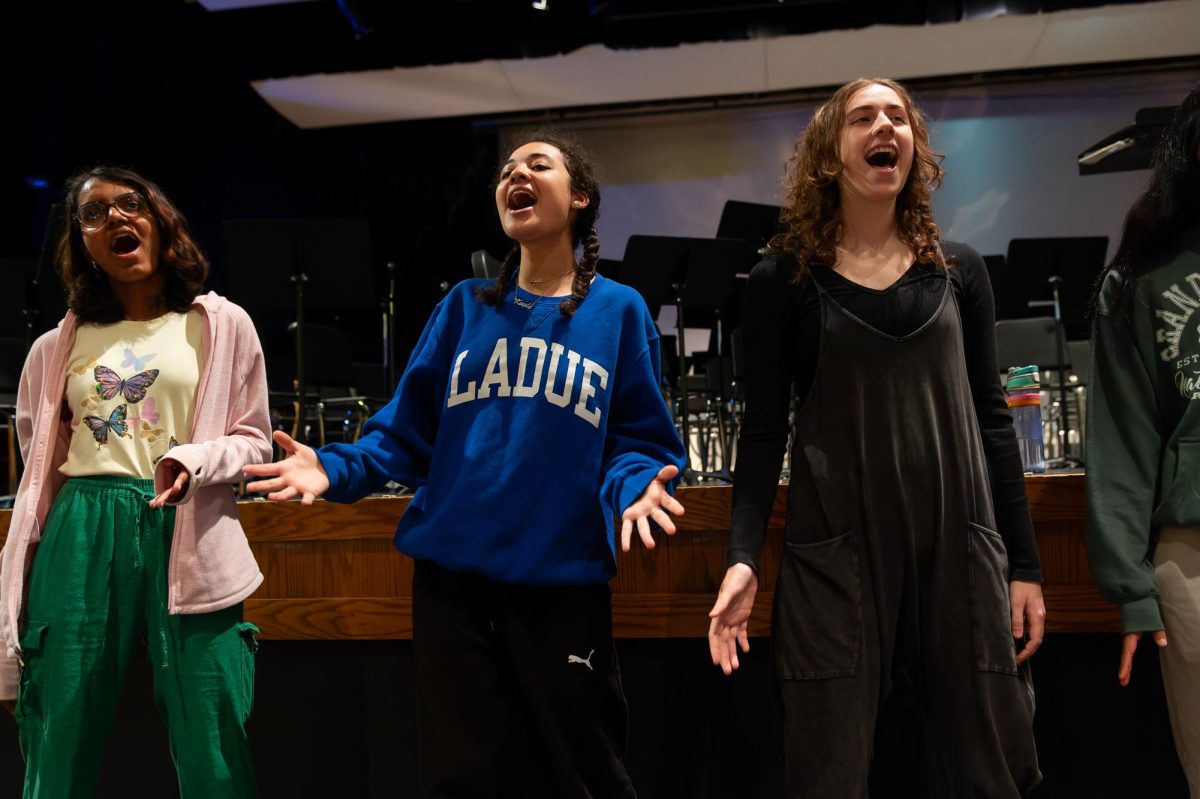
x,y
124,244
520,199
883,157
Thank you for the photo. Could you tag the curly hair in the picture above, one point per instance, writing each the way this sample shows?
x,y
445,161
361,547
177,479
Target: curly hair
x,y
1167,208
582,169
811,219
89,294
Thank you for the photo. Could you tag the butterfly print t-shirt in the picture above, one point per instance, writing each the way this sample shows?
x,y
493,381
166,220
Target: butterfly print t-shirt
x,y
131,388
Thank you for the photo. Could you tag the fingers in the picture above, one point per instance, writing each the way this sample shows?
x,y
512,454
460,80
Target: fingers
x,y
664,521
307,499
1128,647
643,526
721,647
714,641
263,469
285,442
287,493
670,503
262,486
1017,611
667,473
161,499
626,532
743,638
731,663
1036,613
1160,638
720,605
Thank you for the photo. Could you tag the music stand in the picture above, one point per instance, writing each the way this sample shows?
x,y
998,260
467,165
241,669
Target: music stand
x,y
754,223
698,276
327,261
1131,147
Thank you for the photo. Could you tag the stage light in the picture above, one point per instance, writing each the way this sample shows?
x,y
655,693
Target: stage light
x,y
540,5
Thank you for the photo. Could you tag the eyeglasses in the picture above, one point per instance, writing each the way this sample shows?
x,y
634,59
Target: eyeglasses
x,y
93,215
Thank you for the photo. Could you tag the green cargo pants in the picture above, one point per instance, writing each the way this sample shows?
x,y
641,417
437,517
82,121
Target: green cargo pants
x,y
97,588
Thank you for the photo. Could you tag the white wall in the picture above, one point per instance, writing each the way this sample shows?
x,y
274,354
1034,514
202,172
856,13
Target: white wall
x,y
1010,161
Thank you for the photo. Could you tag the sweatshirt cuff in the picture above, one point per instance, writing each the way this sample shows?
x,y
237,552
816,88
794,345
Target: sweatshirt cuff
x,y
191,460
745,556
1026,576
1141,615
634,484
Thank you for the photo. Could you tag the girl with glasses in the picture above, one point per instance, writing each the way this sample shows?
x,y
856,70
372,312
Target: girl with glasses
x,y
135,416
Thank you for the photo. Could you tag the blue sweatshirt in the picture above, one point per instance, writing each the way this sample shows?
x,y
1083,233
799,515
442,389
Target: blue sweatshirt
x,y
525,433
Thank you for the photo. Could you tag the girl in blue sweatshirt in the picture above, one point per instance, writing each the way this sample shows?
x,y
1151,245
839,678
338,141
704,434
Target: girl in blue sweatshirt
x,y
529,419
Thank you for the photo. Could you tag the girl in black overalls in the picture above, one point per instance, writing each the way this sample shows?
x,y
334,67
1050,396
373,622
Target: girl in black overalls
x,y
910,571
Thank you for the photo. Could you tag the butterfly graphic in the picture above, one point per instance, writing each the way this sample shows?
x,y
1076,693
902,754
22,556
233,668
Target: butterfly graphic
x,y
149,432
171,444
135,361
85,367
100,427
149,412
109,384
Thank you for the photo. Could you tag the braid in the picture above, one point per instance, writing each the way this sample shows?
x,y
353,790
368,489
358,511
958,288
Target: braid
x,y
585,270
493,293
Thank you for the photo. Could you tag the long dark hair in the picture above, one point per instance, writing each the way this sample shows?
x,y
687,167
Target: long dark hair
x,y
1164,211
582,170
89,294
812,224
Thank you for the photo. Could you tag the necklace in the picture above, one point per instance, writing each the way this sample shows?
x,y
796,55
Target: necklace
x,y
520,303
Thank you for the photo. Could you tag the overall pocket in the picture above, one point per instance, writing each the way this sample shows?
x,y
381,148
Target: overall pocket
x,y
991,615
818,613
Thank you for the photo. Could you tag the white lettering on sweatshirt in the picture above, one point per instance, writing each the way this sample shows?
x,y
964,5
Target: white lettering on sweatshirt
x,y
527,382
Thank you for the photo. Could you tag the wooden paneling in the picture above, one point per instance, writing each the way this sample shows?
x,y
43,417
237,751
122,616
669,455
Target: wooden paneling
x,y
332,572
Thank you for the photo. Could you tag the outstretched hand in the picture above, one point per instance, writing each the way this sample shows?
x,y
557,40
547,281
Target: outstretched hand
x,y
300,474
1128,646
730,615
654,503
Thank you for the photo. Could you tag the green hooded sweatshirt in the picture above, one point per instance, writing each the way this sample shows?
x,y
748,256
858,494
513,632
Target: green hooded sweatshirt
x,y
1143,429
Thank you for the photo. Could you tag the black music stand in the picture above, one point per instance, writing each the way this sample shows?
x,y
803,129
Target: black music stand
x,y
698,276
754,223
327,262
1131,147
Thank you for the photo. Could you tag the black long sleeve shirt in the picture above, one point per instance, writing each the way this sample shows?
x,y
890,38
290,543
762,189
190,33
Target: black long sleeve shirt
x,y
781,335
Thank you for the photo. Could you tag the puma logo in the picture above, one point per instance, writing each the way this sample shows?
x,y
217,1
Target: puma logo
x,y
587,661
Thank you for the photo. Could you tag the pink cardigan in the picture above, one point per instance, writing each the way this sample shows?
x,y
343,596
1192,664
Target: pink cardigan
x,y
211,564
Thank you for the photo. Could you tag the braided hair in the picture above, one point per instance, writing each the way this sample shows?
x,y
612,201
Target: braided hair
x,y
582,170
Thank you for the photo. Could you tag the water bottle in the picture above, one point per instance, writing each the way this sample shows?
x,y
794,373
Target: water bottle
x,y
1025,403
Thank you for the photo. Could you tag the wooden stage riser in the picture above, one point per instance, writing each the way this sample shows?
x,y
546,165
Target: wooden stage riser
x,y
332,573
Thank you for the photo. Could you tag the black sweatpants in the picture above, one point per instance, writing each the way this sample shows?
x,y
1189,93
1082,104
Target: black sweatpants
x,y
518,689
